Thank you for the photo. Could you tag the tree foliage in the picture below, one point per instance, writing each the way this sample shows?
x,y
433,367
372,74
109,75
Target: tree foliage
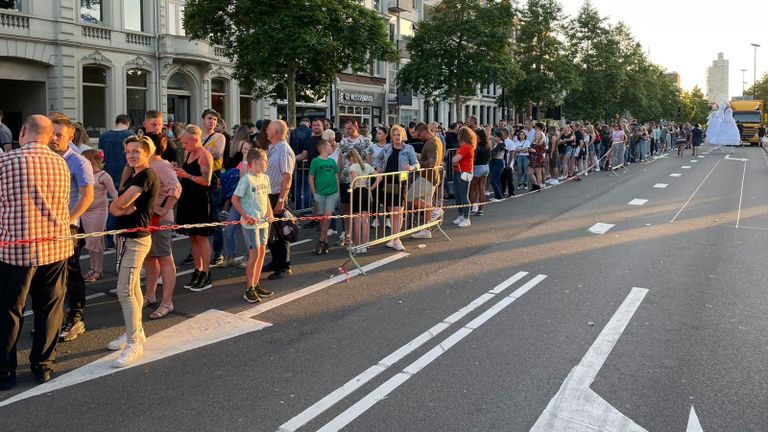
x,y
462,45
285,47
695,106
541,53
762,89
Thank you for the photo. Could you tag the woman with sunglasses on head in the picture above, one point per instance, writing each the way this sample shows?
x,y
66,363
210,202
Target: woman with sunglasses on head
x,y
132,209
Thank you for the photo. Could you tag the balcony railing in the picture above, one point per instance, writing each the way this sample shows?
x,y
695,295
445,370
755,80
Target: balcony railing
x,y
97,33
138,39
13,21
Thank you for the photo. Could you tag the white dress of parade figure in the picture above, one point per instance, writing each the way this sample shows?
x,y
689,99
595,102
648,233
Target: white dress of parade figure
x,y
726,133
713,121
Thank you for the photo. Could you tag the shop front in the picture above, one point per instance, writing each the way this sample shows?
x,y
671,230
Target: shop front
x,y
363,106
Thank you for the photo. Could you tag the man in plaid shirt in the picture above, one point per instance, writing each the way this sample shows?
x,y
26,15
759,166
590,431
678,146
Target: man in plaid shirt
x,y
34,188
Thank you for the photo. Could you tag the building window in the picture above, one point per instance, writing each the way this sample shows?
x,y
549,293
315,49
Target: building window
x,y
176,18
136,94
10,4
94,100
133,11
91,11
219,96
246,101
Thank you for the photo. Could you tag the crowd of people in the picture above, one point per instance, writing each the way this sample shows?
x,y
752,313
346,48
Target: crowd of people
x,y
147,179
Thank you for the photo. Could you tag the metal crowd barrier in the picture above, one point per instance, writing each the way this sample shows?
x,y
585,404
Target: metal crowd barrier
x,y
410,200
301,194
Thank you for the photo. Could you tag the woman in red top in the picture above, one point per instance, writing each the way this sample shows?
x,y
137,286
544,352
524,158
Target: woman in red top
x,y
463,163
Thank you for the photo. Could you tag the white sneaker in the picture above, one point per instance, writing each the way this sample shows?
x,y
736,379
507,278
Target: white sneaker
x,y
423,234
561,178
387,223
331,232
494,200
390,244
361,250
436,214
122,341
130,355
474,208
458,220
465,223
398,245
375,223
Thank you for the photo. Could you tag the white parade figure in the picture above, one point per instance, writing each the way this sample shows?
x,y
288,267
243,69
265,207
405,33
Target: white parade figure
x,y
713,121
726,133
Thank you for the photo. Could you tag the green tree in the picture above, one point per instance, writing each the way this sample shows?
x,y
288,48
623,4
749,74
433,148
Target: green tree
x,y
598,73
546,65
281,47
462,45
695,106
762,89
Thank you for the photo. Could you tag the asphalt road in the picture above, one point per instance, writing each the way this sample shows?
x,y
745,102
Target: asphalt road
x,y
453,337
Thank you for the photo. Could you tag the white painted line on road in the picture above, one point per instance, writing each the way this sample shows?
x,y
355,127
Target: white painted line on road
x,y
694,425
263,307
355,383
207,328
637,202
112,252
660,185
385,389
576,407
694,192
675,175
600,228
741,194
693,161
95,295
685,167
701,157
728,157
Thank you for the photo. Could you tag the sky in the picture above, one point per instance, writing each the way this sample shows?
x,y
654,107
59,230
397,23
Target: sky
x,y
686,35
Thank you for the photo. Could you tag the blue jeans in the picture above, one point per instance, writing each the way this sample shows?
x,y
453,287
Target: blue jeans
x,y
462,194
218,232
522,169
497,166
230,239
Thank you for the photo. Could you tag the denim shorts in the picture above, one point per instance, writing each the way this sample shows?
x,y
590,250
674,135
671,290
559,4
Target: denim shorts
x,y
255,237
569,152
481,171
327,204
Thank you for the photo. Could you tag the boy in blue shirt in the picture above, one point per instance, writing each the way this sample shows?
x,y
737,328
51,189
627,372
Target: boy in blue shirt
x,y
251,200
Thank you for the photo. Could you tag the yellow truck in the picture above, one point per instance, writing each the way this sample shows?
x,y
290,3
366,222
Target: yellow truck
x,y
750,114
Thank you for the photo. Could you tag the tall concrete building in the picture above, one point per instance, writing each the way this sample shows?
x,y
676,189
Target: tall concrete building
x,y
717,80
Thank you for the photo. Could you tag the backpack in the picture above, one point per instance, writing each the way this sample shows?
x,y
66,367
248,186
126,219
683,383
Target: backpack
x,y
229,180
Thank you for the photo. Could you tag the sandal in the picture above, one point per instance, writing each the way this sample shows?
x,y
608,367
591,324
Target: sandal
x,y
161,311
92,276
149,302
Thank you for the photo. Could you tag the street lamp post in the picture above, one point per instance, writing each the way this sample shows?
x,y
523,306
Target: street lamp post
x,y
743,82
754,75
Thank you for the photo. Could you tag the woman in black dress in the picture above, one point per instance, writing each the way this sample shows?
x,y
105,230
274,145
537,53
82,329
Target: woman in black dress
x,y
194,205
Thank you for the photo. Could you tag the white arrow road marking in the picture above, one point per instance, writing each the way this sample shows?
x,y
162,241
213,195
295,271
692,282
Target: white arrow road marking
x,y
660,185
207,328
355,383
600,228
575,407
728,157
693,422
382,391
637,202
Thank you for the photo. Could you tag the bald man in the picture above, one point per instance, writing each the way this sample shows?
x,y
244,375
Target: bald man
x,y
34,188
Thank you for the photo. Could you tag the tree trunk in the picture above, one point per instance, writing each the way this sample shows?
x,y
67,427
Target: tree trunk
x,y
291,87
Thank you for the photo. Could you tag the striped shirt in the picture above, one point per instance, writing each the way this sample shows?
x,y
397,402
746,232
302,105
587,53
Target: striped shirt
x,y
34,200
